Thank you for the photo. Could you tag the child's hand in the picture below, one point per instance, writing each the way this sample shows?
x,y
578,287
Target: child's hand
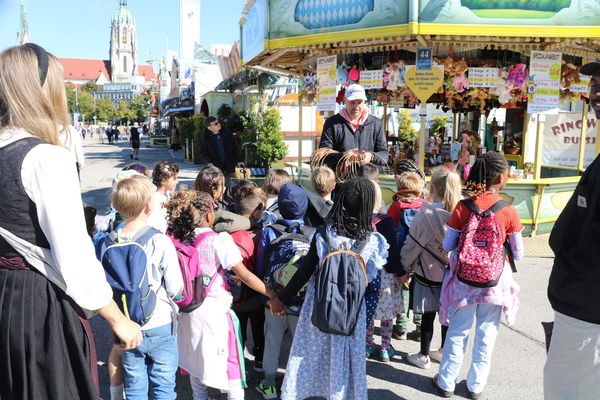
x,y
270,293
401,280
128,332
276,307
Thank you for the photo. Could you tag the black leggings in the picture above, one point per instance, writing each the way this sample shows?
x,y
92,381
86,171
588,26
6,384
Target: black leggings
x,y
257,324
427,332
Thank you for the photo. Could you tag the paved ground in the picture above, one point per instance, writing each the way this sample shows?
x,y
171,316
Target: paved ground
x,y
519,353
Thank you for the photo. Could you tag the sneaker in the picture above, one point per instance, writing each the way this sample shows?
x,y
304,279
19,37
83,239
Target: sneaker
x,y
436,355
386,355
419,360
473,395
441,392
370,350
258,366
268,392
416,334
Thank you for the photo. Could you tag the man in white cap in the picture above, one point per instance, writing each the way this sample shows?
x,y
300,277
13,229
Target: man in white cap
x,y
572,370
353,129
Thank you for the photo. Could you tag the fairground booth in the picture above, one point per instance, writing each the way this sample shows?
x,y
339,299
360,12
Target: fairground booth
x,y
501,75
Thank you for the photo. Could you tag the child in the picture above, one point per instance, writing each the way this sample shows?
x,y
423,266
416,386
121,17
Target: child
x,y
320,203
315,367
371,171
380,298
274,181
156,357
165,178
250,202
211,180
460,302
423,257
208,337
293,203
407,202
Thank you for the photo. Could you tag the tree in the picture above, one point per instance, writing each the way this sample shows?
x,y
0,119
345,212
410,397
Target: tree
x,y
124,113
105,109
139,107
270,144
438,122
405,128
90,87
262,127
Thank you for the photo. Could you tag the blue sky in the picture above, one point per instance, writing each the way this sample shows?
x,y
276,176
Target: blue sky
x,y
81,28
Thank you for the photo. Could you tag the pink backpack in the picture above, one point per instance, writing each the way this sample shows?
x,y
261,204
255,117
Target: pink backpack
x,y
481,250
194,287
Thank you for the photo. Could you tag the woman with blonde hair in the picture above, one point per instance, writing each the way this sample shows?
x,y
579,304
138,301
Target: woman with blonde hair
x,y
422,256
50,278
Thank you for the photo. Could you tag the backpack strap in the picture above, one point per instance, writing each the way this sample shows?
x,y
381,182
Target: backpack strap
x,y
202,236
144,235
497,206
471,205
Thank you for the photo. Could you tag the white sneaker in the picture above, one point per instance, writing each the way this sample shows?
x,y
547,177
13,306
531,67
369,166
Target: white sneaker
x,y
436,355
419,360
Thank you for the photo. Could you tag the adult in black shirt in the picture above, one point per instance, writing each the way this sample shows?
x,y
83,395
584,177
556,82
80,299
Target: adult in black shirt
x,y
354,129
219,148
572,369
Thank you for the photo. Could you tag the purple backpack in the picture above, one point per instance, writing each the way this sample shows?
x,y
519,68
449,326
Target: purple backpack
x,y
481,250
194,287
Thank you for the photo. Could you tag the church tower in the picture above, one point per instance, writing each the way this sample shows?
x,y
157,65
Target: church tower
x,y
23,34
123,50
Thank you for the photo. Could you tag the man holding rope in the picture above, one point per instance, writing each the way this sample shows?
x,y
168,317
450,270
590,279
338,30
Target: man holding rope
x,y
353,129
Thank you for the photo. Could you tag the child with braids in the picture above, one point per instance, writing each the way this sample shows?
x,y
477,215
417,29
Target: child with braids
x,y
209,338
461,303
322,364
211,180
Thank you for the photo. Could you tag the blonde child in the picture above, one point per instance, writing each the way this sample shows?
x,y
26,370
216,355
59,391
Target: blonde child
x,y
423,257
156,357
209,337
319,201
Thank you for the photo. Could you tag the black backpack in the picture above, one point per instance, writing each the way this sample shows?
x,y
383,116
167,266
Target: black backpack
x,y
340,285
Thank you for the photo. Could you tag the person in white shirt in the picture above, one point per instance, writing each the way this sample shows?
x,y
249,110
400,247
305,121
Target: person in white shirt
x,y
50,278
165,177
71,139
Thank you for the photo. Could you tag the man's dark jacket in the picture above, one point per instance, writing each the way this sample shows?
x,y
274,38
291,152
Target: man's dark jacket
x,y
574,287
338,135
210,154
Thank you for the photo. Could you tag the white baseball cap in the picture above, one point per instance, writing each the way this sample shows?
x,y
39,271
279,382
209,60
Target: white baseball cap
x,y
355,92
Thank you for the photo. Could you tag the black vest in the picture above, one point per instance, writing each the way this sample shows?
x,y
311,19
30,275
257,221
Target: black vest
x,y
18,213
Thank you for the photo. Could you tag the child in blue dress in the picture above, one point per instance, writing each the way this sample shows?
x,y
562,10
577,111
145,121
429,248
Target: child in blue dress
x,y
322,364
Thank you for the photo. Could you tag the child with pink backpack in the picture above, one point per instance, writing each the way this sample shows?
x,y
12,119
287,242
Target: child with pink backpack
x,y
209,337
484,234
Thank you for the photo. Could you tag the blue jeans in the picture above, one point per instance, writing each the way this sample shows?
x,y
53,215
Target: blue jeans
x,y
486,331
155,358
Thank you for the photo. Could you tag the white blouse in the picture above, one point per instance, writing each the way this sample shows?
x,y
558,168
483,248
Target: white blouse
x,y
50,180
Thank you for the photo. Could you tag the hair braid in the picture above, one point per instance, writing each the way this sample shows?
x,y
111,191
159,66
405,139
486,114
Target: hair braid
x,y
352,211
484,172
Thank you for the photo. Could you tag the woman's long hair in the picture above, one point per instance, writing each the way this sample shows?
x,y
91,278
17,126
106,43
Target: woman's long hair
x,y
23,101
353,208
484,172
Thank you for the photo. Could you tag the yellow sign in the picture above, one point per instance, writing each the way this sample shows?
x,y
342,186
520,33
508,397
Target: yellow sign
x,y
424,82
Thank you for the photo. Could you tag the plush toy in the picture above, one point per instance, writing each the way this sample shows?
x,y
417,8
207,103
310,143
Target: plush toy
x,y
354,74
569,74
517,76
393,75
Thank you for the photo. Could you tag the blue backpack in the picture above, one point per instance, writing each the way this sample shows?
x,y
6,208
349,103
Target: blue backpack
x,y
340,285
284,255
125,265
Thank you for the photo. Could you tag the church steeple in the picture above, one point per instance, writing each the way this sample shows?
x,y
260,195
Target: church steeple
x,y
123,46
23,34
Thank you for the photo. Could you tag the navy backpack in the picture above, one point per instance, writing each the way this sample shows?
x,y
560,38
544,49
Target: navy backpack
x,y
125,265
340,285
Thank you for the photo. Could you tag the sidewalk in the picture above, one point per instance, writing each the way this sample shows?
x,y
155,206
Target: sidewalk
x,y
538,246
